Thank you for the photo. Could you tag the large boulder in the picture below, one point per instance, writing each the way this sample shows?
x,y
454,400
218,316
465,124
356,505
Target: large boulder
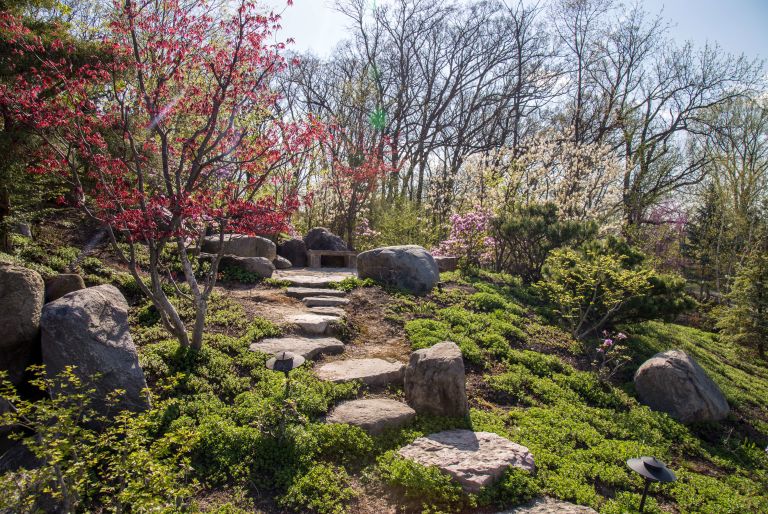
x,y
674,383
241,246
88,329
22,293
295,251
409,267
435,382
62,284
323,239
260,266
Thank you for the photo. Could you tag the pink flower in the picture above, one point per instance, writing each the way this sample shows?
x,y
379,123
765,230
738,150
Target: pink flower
x,y
608,342
621,336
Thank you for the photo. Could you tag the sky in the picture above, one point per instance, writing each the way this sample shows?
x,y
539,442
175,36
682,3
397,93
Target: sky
x,y
739,26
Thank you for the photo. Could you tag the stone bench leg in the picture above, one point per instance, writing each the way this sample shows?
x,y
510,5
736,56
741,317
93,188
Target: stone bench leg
x,y
314,261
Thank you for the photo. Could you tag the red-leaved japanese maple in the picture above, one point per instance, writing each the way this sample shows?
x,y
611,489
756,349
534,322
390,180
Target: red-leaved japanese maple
x,y
354,169
173,134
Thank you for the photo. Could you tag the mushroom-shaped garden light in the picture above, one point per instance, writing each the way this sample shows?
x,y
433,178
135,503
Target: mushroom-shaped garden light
x,y
653,470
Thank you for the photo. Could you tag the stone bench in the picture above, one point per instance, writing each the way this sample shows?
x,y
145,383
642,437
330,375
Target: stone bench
x,y
315,258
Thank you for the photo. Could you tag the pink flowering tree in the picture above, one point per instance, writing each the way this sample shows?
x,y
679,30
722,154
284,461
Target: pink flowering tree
x,y
174,133
470,239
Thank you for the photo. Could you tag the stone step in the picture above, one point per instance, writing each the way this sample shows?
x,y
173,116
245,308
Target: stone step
x,y
373,415
314,324
304,292
546,505
310,280
330,311
371,372
307,347
474,459
324,301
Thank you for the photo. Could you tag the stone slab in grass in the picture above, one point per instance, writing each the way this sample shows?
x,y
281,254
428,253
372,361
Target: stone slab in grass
x,y
547,505
373,415
474,459
307,347
324,301
371,372
313,324
304,292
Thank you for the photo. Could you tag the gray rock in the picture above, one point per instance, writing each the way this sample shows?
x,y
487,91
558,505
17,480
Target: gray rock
x,y
62,284
330,311
88,329
21,228
323,239
304,292
282,263
241,246
373,415
371,372
548,505
21,301
674,383
295,251
307,347
261,266
474,459
447,263
324,301
410,268
435,381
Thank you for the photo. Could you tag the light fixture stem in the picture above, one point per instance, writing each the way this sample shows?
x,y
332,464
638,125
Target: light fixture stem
x,y
645,493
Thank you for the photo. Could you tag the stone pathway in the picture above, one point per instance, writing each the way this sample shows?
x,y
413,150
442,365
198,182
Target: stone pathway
x,y
312,313
311,325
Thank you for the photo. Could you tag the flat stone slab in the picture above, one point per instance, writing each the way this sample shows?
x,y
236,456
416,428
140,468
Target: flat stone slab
x,y
474,459
547,505
324,301
373,415
330,311
309,323
372,372
315,278
307,347
304,292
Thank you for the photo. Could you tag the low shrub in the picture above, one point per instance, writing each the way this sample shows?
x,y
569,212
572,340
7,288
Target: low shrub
x,y
350,283
433,490
323,489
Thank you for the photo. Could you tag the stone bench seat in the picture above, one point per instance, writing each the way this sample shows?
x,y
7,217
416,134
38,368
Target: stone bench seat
x,y
315,257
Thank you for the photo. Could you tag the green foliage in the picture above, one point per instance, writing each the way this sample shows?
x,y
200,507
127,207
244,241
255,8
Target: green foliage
x,y
350,283
513,488
428,486
323,489
526,234
589,288
745,319
89,460
235,274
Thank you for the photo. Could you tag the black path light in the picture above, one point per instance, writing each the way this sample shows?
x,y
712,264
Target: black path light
x,y
285,362
653,470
